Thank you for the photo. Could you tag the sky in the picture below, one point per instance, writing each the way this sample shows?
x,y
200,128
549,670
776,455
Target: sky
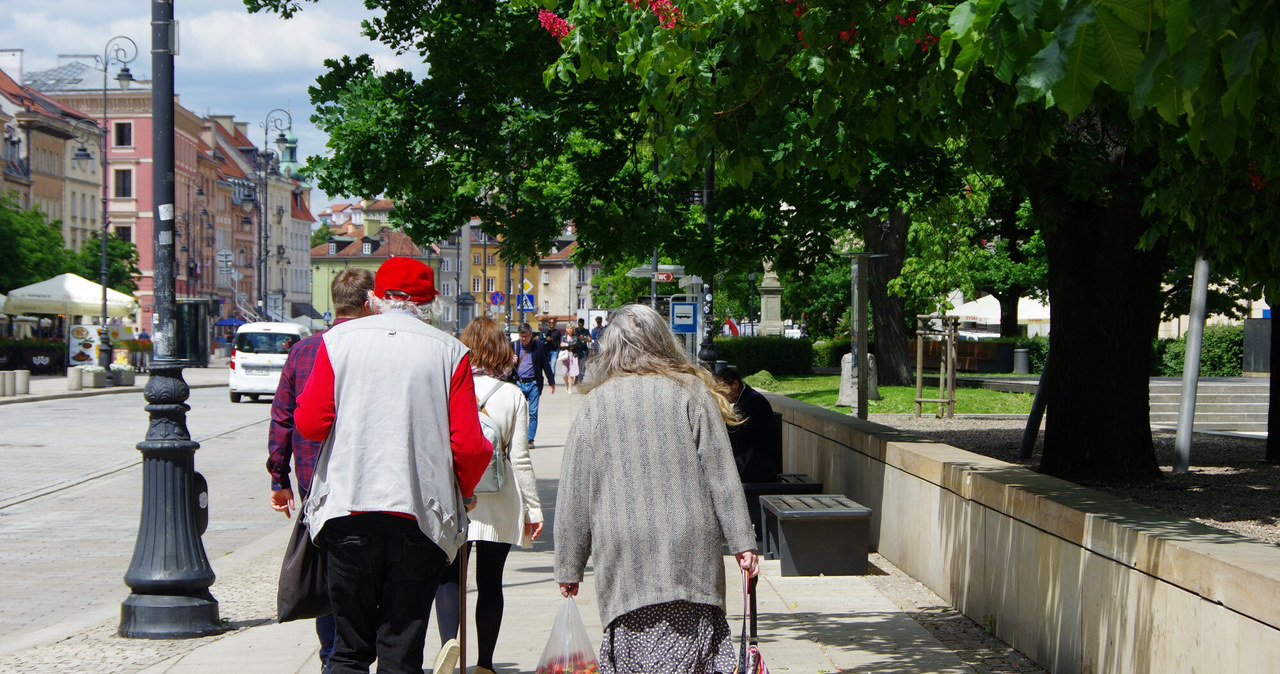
x,y
230,61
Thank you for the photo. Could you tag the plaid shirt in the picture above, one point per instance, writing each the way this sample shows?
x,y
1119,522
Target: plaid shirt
x,y
283,440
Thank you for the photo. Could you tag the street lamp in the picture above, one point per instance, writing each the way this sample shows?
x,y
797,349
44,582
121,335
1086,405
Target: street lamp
x,y
266,163
119,50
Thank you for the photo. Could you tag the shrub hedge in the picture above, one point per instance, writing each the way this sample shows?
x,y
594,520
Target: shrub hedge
x,y
1037,348
1221,353
779,355
828,353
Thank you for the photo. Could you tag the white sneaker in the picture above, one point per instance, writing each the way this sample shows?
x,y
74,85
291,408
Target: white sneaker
x,y
447,659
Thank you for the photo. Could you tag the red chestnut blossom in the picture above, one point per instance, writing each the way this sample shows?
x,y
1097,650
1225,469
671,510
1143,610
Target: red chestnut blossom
x,y
1255,178
666,12
927,41
555,25
906,20
849,35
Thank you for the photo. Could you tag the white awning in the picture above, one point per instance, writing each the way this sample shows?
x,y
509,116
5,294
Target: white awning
x,y
69,294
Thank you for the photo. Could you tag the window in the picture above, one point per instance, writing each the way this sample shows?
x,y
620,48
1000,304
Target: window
x,y
124,233
491,258
366,248
333,249
582,277
475,258
74,212
448,313
124,183
488,284
446,289
124,134
546,306
546,277
446,265
475,284
582,303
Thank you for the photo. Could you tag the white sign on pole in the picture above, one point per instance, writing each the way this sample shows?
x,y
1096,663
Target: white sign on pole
x,y
527,286
684,317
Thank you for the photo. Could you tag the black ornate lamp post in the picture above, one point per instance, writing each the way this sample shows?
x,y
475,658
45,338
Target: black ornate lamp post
x,y
122,51
707,349
170,573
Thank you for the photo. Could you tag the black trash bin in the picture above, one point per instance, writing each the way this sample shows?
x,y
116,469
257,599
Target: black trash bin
x,y
192,346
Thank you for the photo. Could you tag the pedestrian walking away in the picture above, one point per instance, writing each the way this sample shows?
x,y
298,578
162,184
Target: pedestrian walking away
x,y
510,516
651,435
349,291
554,339
531,368
582,348
393,401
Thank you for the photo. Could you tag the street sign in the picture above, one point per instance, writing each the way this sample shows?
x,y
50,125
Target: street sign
x,y
328,316
524,302
224,257
684,317
527,286
497,297
663,276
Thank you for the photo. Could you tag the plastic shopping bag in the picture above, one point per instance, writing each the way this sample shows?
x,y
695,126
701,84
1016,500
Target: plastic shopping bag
x,y
569,650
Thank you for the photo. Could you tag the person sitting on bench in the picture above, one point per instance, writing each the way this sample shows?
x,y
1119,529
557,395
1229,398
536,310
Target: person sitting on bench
x,y
755,442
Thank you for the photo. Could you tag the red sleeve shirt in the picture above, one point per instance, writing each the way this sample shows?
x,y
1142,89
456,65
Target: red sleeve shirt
x,y
471,450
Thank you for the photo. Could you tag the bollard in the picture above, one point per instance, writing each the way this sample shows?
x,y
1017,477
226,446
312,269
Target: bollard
x,y
22,382
75,380
6,383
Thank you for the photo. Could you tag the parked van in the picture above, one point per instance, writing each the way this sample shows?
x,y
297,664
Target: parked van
x,y
258,355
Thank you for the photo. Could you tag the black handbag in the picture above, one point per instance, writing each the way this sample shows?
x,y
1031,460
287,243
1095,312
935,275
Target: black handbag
x,y
302,593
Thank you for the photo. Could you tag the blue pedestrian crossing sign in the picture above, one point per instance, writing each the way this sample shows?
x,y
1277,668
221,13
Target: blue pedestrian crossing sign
x,y
524,302
497,297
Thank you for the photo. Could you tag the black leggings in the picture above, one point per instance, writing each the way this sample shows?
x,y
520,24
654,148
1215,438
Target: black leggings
x,y
489,559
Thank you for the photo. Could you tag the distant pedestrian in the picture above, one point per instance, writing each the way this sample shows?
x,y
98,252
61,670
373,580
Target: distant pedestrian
x,y
393,401
569,362
350,291
582,348
510,516
755,442
532,368
554,339
596,332
651,436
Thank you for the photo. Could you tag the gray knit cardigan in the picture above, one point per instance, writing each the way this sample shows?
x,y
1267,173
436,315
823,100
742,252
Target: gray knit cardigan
x,y
648,489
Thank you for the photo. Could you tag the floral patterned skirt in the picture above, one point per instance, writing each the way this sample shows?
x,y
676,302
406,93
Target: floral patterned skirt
x,y
677,636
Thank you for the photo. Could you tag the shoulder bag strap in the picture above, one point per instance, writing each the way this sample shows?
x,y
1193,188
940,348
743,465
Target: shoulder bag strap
x,y
485,399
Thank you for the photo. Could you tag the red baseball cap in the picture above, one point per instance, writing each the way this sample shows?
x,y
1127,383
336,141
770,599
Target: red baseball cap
x,y
404,278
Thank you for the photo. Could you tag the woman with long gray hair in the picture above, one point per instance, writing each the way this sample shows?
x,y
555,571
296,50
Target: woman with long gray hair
x,y
650,491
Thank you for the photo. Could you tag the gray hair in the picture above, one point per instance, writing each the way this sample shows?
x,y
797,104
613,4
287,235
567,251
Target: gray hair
x,y
425,311
639,341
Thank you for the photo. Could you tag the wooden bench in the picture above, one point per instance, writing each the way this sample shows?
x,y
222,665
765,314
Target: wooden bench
x,y
787,483
821,534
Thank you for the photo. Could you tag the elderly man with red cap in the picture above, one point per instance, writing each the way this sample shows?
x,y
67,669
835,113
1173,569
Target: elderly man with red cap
x,y
392,400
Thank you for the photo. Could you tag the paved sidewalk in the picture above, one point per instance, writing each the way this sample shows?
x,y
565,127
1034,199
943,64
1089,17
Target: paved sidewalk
x,y
54,387
810,625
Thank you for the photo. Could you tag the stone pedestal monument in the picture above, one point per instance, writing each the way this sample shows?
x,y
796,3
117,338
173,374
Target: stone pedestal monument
x,y
770,304
849,381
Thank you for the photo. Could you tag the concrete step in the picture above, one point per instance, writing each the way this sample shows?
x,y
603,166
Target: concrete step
x,y
1215,417
1234,427
1210,397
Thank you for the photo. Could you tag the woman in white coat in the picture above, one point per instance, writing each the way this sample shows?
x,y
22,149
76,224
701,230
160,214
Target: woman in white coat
x,y
510,516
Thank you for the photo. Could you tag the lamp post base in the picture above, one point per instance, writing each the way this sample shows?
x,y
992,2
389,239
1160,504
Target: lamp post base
x,y
155,616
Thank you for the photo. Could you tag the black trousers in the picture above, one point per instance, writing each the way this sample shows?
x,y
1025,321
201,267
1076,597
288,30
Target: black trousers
x,y
382,572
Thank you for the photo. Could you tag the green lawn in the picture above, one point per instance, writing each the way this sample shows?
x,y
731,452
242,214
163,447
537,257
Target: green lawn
x,y
824,390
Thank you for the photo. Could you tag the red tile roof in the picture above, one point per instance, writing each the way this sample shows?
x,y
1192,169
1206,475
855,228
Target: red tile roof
x,y
563,253
299,211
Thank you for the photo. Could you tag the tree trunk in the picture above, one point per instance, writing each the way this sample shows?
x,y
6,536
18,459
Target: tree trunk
x,y
1009,312
888,315
1104,298
1273,409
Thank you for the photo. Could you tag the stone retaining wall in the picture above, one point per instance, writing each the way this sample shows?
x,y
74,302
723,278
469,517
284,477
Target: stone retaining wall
x,y
1078,580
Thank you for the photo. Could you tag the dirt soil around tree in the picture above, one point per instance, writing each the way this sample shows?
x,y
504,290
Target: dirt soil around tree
x,y
1227,486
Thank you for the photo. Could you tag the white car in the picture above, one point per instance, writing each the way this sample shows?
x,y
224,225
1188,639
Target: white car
x,y
258,356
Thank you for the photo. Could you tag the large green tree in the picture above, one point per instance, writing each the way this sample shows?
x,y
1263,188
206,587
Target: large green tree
x,y
1135,137
122,263
34,251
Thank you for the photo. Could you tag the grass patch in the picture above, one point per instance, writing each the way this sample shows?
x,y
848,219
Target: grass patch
x,y
825,390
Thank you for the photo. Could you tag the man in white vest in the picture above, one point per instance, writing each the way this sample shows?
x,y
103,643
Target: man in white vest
x,y
392,400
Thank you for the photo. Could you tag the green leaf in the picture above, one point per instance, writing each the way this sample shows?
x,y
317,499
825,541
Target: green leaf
x,y
1152,82
1237,55
1119,54
1177,25
1025,11
1190,64
1219,132
1211,16
1135,14
1046,68
961,19
1074,91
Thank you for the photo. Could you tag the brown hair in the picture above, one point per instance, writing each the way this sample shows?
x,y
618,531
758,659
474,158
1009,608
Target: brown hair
x,y
490,349
349,289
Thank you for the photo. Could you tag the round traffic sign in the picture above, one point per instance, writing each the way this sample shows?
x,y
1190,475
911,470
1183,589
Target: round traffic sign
x,y
497,297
